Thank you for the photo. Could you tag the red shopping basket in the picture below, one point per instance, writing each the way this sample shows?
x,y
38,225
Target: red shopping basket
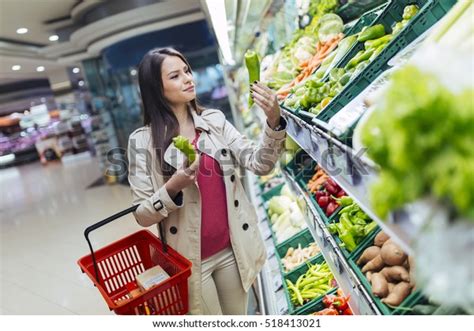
x,y
114,266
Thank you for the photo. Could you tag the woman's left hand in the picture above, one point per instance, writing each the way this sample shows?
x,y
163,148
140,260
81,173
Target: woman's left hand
x,y
267,100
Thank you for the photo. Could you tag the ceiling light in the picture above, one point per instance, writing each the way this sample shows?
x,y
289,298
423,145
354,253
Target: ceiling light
x,y
16,67
54,37
133,72
22,30
40,68
76,70
217,12
80,83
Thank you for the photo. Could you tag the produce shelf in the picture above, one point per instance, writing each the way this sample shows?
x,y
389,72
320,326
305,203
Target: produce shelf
x,y
354,174
360,301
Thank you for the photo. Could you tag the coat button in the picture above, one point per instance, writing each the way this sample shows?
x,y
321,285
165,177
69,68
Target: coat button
x,y
245,226
236,203
232,178
173,230
224,152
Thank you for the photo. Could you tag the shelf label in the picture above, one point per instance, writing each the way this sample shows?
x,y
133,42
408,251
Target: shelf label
x,y
338,264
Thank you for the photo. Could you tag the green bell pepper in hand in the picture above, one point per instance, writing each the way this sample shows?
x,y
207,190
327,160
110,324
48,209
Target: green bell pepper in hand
x,y
183,144
252,63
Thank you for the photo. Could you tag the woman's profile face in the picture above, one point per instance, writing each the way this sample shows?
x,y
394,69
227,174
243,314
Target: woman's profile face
x,y
178,84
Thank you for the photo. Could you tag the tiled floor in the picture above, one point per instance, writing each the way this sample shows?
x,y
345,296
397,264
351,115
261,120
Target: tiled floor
x,y
43,213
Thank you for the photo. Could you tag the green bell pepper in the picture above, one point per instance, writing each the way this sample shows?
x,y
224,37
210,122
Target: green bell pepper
x,y
345,221
410,11
348,241
183,144
373,32
364,216
370,227
360,58
252,63
375,43
332,228
358,232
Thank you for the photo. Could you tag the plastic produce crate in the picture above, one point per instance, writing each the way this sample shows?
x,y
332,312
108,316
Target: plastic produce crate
x,y
272,192
303,238
366,19
293,277
299,162
386,310
353,9
430,12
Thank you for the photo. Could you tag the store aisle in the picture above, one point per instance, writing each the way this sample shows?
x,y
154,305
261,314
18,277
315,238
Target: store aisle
x,y
43,213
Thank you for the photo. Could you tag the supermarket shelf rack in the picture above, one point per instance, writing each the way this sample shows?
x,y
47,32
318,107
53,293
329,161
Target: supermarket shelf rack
x,y
360,301
274,300
354,173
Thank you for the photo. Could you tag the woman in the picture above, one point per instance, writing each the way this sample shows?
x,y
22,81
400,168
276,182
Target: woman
x,y
205,212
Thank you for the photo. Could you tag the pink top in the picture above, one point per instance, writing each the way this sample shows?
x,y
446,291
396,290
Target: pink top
x,y
214,219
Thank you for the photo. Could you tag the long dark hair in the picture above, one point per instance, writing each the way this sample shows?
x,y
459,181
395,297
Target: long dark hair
x,y
158,114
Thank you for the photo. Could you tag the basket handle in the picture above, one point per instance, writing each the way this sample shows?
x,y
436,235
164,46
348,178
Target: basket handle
x,y
109,219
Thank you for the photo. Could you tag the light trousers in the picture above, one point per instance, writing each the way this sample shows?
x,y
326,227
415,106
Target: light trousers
x,y
222,291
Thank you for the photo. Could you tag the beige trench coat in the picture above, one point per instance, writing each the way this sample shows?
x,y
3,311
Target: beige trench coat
x,y
182,216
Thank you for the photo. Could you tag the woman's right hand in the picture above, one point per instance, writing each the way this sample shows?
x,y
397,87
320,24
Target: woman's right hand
x,y
182,178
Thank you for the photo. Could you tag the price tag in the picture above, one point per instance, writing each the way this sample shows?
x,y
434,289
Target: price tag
x,y
277,283
291,126
338,264
320,234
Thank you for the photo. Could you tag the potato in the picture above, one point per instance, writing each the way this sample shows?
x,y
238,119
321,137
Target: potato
x,y
379,285
390,287
368,275
368,254
376,264
392,254
380,239
395,274
411,263
398,294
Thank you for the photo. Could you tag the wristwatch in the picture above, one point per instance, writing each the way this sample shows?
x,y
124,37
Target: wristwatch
x,y
280,126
